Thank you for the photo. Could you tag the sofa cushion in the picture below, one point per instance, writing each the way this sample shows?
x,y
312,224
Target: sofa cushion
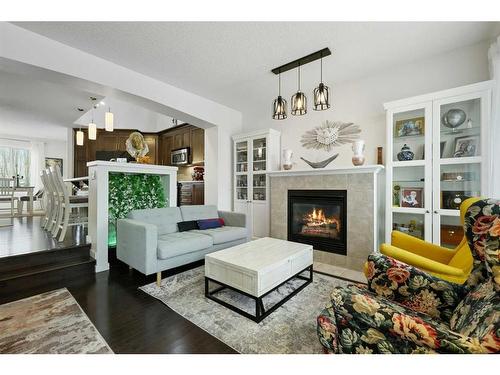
x,y
165,219
198,212
174,244
224,234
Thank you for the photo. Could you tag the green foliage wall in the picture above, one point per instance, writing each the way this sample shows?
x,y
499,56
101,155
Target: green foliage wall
x,y
129,192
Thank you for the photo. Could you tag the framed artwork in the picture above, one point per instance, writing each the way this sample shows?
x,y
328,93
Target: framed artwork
x,y
412,197
466,146
409,127
52,162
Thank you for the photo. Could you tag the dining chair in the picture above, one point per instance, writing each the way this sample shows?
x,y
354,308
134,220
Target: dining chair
x,y
54,199
66,216
7,193
48,198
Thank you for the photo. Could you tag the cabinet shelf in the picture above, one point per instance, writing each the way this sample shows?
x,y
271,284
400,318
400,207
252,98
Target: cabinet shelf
x,y
466,160
409,210
408,163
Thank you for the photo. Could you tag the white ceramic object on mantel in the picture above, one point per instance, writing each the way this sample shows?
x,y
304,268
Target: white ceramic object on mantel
x,y
358,147
287,159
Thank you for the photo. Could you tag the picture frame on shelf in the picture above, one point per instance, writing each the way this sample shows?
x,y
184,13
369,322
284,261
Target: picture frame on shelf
x,y
412,197
442,146
410,127
466,146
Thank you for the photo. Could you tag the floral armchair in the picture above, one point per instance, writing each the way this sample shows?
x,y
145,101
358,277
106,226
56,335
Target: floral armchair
x,y
405,310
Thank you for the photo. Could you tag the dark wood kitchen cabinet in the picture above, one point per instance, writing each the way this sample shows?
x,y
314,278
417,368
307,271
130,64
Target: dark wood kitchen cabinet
x,y
108,141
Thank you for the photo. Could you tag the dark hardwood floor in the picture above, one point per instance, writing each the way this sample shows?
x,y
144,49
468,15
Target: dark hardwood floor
x,y
26,236
129,320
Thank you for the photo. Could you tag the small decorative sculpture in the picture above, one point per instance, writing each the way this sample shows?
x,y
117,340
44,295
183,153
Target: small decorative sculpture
x,y
358,147
321,164
137,146
453,118
330,134
287,159
405,154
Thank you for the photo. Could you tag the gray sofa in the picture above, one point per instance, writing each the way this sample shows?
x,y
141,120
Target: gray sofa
x,y
150,242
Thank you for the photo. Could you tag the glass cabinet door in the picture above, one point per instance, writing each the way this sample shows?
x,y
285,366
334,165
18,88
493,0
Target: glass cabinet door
x,y
458,163
259,155
241,157
241,171
410,158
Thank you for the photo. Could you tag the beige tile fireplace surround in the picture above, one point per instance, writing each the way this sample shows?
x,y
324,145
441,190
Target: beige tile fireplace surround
x,y
364,208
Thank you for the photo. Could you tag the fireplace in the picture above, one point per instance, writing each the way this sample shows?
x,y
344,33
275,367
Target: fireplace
x,y
318,218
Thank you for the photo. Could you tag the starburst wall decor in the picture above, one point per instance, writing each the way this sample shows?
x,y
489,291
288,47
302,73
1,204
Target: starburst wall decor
x,y
330,134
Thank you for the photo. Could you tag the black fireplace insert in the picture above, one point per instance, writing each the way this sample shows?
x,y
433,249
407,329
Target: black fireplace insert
x,y
318,218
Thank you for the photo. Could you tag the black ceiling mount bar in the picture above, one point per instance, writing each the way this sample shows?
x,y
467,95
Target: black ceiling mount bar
x,y
302,61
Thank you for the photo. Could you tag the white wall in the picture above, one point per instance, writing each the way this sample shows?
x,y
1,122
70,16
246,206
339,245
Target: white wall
x,y
361,101
16,126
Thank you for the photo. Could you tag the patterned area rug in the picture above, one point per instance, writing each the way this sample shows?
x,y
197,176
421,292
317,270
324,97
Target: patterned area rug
x,y
48,323
289,329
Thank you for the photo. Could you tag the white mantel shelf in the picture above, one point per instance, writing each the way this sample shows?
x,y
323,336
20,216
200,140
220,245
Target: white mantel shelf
x,y
114,166
374,169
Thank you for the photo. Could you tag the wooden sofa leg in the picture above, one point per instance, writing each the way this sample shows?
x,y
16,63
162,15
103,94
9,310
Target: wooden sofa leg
x,y
158,278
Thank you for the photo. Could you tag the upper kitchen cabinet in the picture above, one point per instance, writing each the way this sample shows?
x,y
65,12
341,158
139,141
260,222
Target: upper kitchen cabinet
x,y
183,136
197,145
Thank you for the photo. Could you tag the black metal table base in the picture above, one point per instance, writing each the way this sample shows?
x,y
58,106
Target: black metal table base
x,y
260,311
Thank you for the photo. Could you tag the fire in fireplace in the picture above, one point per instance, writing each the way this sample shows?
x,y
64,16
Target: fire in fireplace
x,y
318,217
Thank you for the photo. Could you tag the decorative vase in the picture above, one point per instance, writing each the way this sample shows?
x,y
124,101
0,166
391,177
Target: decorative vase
x,y
406,153
287,159
358,147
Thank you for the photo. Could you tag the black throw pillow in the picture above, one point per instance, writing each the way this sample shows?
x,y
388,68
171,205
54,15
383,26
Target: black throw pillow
x,y
187,225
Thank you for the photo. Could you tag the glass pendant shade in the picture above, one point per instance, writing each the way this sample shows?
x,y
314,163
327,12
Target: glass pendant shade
x,y
79,138
92,131
299,101
279,104
279,108
299,104
321,97
108,121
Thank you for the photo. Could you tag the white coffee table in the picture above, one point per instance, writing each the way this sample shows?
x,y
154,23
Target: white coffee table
x,y
255,269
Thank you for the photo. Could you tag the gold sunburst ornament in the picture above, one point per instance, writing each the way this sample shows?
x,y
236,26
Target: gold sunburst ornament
x,y
330,134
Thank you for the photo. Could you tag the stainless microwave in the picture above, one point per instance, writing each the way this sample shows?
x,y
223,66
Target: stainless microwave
x,y
180,156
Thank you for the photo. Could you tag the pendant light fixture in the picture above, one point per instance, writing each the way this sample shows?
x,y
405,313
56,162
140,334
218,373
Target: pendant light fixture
x,y
108,120
79,138
279,104
92,124
299,100
321,94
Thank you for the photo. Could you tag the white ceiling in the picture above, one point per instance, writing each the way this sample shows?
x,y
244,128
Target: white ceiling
x,y
230,62
33,100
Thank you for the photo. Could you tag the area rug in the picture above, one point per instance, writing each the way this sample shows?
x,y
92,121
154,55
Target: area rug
x,y
289,329
48,323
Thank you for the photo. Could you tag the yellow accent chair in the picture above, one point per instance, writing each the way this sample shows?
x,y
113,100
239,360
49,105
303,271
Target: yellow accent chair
x,y
452,265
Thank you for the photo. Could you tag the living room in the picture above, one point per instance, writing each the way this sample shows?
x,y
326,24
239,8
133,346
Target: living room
x,y
249,187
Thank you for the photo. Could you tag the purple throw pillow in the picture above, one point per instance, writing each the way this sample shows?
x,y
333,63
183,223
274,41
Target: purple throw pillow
x,y
209,223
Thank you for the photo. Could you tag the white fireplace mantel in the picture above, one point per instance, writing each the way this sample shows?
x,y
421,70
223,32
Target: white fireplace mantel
x,y
339,170
98,200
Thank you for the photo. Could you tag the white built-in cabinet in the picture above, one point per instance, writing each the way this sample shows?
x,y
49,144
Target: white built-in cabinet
x,y
449,165
254,155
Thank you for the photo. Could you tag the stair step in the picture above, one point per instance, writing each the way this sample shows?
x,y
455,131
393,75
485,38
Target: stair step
x,y
43,258
30,271
44,279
